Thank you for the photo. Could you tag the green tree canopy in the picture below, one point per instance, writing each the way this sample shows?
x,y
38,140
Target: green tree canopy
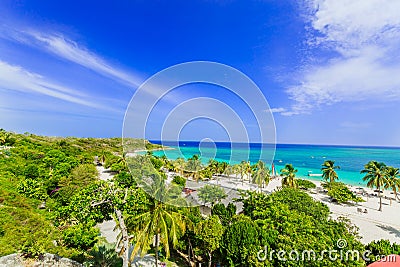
x,y
211,194
210,232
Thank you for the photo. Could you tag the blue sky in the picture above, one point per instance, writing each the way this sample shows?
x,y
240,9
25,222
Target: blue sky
x,y
329,69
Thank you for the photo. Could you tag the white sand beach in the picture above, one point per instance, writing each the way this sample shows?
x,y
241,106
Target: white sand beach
x,y
373,225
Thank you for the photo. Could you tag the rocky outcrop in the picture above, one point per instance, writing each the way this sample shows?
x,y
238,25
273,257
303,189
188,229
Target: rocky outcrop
x,y
47,260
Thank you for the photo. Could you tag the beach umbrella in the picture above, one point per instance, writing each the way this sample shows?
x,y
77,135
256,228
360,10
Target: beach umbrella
x,y
388,261
273,169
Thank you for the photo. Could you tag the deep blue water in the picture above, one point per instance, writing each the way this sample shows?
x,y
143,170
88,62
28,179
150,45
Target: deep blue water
x,y
305,158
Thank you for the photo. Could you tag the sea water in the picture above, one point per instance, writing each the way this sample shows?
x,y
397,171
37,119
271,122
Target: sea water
x,y
305,158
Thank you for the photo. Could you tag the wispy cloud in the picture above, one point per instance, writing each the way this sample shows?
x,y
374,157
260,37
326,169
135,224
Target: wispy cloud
x,y
349,125
65,48
16,78
277,110
364,36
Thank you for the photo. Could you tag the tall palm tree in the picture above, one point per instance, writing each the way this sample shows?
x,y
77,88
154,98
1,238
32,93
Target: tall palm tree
x,y
393,180
229,170
213,166
328,171
162,223
289,176
222,167
261,174
194,166
249,170
376,176
242,170
237,170
179,165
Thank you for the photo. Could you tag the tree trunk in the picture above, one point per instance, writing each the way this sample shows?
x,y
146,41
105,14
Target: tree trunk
x,y
157,247
189,261
209,259
125,238
380,199
190,250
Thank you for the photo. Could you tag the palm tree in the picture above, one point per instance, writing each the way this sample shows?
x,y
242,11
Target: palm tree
x,y
213,166
103,157
261,174
242,170
222,167
122,158
393,180
103,255
229,170
328,171
237,170
179,165
162,223
376,176
249,170
289,176
4,137
194,166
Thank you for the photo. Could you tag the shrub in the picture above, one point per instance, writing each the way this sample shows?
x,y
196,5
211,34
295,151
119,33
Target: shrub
x,y
179,181
80,236
305,184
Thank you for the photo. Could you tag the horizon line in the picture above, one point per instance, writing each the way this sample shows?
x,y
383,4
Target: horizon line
x,y
301,144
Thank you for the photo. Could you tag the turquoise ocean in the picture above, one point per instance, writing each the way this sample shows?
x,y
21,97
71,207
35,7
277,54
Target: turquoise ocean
x,y
305,158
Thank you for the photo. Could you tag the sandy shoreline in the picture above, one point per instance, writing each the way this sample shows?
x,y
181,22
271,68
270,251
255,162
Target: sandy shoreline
x,y
373,225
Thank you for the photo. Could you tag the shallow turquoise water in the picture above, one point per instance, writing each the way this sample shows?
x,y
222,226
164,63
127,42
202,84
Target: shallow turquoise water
x,y
303,157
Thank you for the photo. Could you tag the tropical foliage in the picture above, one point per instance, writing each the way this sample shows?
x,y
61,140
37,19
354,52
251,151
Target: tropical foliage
x,y
340,192
305,184
261,174
329,171
51,201
289,176
211,194
376,177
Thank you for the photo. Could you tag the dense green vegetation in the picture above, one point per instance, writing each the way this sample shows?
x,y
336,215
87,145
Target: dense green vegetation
x,y
210,194
38,177
340,192
305,184
51,200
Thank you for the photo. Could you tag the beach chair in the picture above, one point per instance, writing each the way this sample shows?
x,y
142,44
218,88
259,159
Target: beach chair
x,y
359,210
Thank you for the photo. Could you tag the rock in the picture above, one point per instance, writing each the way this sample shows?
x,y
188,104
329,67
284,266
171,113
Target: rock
x,y
47,260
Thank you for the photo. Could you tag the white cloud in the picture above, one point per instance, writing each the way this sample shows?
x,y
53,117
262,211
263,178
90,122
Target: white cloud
x,y
351,24
365,36
67,49
277,110
15,78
